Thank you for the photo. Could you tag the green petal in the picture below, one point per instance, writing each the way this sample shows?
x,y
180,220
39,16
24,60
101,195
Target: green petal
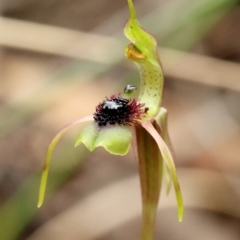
x,y
115,139
168,159
161,121
49,153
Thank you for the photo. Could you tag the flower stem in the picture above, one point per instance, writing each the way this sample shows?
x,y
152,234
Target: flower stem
x,y
150,172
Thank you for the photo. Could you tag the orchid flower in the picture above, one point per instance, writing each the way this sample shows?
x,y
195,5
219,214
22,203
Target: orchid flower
x,y
120,117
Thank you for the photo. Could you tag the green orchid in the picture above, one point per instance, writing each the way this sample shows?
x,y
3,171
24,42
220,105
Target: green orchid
x,y
121,120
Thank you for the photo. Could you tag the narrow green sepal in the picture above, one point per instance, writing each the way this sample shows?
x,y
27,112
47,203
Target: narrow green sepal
x,y
115,139
144,41
161,120
143,52
168,159
51,147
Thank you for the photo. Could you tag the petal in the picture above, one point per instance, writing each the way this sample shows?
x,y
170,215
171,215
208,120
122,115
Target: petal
x,y
115,139
168,159
50,149
161,122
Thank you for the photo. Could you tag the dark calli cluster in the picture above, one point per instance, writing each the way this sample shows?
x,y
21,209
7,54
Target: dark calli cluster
x,y
118,110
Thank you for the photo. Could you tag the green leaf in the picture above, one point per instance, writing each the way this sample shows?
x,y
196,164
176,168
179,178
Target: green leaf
x,y
115,139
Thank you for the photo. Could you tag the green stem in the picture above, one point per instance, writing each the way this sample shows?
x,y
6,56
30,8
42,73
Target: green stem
x,y
150,172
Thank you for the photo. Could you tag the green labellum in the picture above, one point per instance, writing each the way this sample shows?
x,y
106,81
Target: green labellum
x,y
115,139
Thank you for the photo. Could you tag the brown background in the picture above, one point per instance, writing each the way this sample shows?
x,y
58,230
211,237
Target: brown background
x,y
59,59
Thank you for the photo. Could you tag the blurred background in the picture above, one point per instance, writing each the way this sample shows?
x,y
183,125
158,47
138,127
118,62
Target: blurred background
x,y
59,59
